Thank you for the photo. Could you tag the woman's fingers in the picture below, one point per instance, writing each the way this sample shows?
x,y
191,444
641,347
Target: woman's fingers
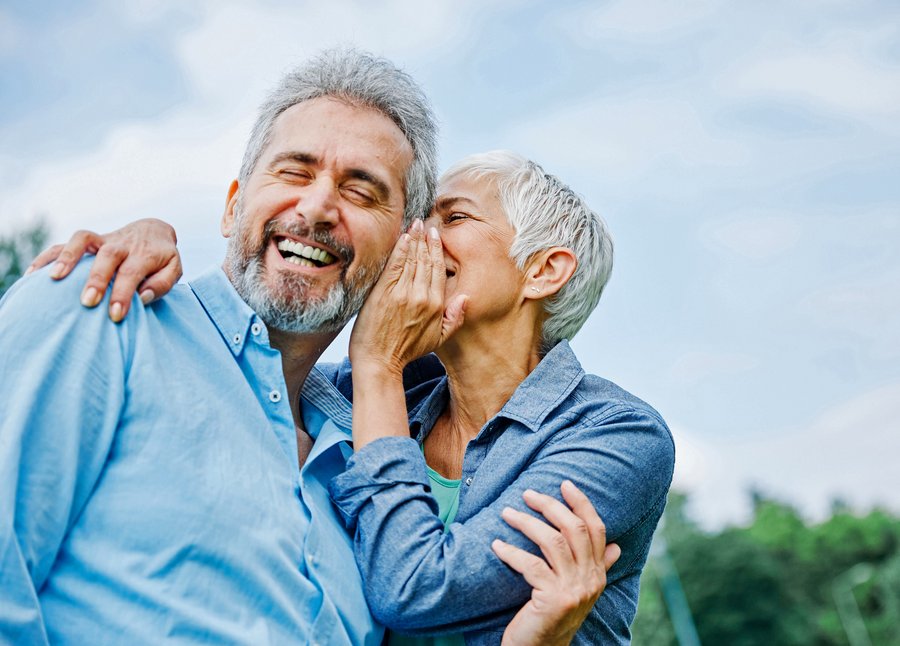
x,y
611,555
453,316
533,568
67,255
396,263
553,544
438,270
577,535
161,282
44,258
583,509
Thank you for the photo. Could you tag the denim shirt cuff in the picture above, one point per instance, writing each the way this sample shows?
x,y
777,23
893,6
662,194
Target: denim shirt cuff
x,y
384,463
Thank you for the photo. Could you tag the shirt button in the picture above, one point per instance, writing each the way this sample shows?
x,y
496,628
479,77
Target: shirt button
x,y
469,482
274,396
255,329
236,339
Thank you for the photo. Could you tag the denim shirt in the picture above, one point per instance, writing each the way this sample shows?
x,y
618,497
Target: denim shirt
x,y
560,423
149,484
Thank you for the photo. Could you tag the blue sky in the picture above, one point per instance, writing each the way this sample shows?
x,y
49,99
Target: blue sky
x,y
745,156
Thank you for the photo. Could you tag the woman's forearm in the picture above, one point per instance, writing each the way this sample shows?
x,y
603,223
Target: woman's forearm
x,y
379,404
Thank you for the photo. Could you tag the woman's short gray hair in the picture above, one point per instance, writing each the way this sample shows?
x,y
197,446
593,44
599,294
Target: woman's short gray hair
x,y
365,80
546,213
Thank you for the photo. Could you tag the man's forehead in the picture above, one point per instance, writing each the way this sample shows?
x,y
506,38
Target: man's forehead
x,y
334,131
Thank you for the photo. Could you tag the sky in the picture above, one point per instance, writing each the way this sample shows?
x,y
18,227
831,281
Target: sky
x,y
741,153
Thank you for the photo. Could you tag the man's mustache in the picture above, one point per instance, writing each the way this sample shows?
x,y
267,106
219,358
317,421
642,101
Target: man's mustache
x,y
321,237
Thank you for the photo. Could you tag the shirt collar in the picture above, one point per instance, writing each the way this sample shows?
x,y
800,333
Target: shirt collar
x,y
319,391
228,311
554,378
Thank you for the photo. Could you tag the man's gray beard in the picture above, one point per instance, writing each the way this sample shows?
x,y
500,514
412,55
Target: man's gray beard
x,y
287,305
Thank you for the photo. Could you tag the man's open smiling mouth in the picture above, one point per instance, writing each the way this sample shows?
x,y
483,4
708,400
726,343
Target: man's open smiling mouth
x,y
303,255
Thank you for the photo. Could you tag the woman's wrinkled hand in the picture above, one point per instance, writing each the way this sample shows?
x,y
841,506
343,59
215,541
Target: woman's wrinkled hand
x,y
404,316
569,579
142,256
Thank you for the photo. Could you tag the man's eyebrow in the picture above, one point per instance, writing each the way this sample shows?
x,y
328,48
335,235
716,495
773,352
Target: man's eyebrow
x,y
381,187
295,156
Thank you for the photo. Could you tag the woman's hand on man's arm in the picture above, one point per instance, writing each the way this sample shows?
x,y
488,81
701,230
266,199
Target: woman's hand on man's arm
x,y
142,256
569,579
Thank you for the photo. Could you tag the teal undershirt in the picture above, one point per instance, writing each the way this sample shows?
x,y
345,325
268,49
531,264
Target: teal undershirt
x,y
446,492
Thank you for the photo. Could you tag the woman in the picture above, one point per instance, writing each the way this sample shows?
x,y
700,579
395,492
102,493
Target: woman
x,y
511,266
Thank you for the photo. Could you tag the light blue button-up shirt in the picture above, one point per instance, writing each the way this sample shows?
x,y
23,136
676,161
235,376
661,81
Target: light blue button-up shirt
x,y
149,481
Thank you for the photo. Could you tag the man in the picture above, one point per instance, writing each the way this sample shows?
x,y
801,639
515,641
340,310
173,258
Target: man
x,y
158,478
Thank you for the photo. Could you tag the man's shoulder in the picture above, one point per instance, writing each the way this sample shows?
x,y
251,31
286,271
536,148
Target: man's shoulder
x,y
37,301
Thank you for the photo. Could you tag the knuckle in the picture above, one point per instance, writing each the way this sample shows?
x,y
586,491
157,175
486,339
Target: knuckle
x,y
128,273
580,527
559,542
113,250
535,567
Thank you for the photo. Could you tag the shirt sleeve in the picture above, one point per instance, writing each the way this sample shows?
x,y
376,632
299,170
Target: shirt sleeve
x,y
61,391
419,579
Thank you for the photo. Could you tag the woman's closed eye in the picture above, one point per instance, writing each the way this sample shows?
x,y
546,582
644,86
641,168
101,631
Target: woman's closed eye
x,y
455,216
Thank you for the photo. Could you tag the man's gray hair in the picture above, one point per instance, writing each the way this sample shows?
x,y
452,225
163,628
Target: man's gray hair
x,y
364,80
546,213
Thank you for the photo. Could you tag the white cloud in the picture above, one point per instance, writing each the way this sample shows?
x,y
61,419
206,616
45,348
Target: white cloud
x,y
866,309
690,368
10,33
842,72
849,452
635,19
621,140
755,236
230,58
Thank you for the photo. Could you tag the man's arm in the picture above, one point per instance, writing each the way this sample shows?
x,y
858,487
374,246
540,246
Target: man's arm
x,y
61,390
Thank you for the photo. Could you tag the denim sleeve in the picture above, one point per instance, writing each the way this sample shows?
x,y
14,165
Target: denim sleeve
x,y
419,579
60,394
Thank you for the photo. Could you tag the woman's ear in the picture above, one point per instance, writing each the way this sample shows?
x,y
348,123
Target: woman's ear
x,y
227,224
548,271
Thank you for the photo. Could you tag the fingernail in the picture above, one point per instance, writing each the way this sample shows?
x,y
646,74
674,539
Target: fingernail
x,y
147,295
433,232
90,297
418,226
115,312
29,270
57,271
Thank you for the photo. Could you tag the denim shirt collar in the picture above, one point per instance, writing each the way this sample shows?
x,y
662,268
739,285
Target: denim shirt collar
x,y
227,310
557,375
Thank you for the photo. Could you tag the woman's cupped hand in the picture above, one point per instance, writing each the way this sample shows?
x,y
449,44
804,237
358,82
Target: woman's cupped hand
x,y
405,316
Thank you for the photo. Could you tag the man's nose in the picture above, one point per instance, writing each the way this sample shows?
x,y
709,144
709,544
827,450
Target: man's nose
x,y
318,204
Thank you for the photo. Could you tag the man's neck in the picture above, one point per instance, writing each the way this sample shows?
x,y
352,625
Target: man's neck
x,y
299,352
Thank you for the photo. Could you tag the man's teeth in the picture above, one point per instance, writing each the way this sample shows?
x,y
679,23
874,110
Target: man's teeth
x,y
304,253
297,260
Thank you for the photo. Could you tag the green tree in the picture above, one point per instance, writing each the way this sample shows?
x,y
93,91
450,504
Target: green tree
x,y
17,250
775,580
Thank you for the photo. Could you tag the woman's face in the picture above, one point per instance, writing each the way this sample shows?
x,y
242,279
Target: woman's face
x,y
476,237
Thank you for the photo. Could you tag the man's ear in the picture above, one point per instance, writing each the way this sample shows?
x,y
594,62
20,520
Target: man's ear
x,y
548,271
227,225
